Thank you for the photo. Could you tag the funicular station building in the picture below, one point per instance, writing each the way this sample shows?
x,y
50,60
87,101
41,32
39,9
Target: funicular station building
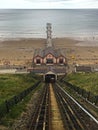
x,y
49,61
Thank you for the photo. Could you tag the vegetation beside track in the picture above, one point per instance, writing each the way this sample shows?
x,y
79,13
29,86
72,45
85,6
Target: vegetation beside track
x,y
17,110
11,85
87,81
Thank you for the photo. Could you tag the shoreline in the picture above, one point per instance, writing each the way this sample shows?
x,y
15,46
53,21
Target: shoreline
x,y
80,41
74,37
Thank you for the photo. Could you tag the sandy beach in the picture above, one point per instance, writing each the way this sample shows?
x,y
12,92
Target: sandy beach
x,y
20,51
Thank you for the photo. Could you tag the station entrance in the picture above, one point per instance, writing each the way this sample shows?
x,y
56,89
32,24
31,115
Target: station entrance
x,y
50,77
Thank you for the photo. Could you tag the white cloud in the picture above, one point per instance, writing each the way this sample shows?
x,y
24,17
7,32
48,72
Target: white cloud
x,y
48,4
15,4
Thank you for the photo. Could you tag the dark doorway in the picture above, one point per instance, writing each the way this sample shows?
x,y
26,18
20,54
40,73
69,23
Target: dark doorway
x,y
50,78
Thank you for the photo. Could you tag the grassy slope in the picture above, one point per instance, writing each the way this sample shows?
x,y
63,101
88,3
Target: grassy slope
x,y
11,85
17,110
87,81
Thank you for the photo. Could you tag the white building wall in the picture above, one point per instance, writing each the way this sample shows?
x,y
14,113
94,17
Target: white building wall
x,y
44,60
34,60
54,60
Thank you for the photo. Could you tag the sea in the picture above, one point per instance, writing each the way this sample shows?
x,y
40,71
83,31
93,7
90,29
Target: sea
x,y
31,23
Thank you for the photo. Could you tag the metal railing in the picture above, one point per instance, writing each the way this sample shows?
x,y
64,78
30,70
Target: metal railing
x,y
87,95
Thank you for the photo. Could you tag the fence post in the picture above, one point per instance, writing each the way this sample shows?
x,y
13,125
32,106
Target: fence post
x,y
7,106
82,93
96,100
88,96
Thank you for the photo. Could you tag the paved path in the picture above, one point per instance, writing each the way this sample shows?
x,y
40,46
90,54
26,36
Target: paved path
x,y
56,119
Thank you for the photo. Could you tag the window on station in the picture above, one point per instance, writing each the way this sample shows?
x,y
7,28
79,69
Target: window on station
x,y
38,61
49,61
61,61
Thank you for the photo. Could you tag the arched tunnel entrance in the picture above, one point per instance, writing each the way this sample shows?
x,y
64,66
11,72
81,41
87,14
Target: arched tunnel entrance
x,y
50,77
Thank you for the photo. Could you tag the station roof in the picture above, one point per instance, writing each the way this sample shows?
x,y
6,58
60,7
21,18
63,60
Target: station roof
x,y
49,50
38,52
46,51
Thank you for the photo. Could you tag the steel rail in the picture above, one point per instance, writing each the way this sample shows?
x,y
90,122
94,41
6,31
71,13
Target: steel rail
x,y
72,122
89,114
70,109
40,119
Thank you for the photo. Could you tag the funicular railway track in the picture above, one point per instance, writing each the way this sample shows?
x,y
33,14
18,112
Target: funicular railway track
x,y
73,117
40,119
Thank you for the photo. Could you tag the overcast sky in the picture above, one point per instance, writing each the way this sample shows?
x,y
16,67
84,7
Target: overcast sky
x,y
48,4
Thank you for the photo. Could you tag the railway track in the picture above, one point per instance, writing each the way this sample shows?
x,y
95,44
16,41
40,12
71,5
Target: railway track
x,y
73,116
40,119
